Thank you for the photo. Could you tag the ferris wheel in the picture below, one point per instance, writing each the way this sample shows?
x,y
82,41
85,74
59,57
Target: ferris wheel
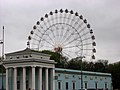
x,y
65,32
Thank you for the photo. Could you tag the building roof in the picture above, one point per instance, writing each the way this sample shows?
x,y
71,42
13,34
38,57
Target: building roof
x,y
26,51
84,72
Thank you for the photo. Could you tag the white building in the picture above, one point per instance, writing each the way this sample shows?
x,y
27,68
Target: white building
x,y
29,69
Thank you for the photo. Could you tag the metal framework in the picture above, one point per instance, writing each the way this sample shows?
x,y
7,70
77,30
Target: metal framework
x,y
65,32
2,57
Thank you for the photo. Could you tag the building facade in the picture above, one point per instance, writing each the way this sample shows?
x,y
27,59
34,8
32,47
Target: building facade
x,y
32,70
66,79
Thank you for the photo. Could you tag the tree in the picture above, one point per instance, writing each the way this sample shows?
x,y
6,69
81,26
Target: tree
x,y
1,66
114,69
101,65
61,60
74,64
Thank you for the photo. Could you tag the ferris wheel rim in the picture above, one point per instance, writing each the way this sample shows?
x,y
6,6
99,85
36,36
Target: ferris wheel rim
x,y
84,22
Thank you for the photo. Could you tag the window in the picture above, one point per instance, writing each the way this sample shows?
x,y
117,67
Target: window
x,y
85,85
96,86
73,85
91,78
58,74
18,84
66,76
85,76
26,84
56,77
66,85
105,85
17,57
59,85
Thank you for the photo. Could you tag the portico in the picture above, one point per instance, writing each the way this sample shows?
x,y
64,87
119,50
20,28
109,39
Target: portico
x,y
29,70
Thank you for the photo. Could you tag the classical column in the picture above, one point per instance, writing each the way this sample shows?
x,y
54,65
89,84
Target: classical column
x,y
52,82
46,78
33,77
7,87
24,78
15,79
40,79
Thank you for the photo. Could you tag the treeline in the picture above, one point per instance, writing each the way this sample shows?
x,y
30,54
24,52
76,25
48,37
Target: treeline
x,y
97,66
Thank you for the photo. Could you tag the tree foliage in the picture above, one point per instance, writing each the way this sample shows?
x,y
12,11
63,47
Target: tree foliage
x,y
114,69
61,60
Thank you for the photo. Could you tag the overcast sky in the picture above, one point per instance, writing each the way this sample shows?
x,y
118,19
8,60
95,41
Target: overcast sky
x,y
19,16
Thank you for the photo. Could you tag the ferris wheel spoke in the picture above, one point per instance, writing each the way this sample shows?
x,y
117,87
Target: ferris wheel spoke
x,y
78,52
53,28
41,26
44,46
48,21
45,25
85,34
87,49
60,18
62,36
86,39
74,52
64,18
77,28
85,44
65,35
52,32
72,20
70,36
49,38
39,30
49,35
73,29
72,46
41,37
87,54
76,23
38,35
61,33
48,42
57,32
69,18
71,41
35,39
67,54
34,43
52,19
82,29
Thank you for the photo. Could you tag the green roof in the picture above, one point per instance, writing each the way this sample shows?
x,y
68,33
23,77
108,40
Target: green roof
x,y
84,72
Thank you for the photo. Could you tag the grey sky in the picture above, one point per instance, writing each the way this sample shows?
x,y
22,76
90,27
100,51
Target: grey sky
x,y
18,17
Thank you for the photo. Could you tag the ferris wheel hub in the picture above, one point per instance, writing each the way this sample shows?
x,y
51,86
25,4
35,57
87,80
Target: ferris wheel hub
x,y
58,49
